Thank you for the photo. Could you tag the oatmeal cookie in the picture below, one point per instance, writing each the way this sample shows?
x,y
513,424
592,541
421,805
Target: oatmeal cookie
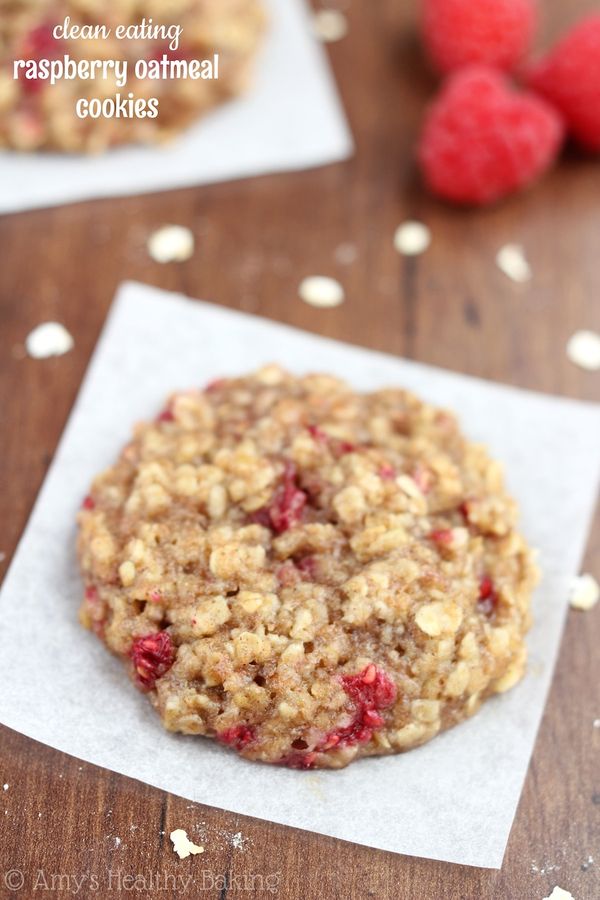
x,y
305,573
36,116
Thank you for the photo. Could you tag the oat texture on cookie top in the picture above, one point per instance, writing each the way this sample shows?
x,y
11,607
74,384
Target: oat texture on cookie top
x,y
305,573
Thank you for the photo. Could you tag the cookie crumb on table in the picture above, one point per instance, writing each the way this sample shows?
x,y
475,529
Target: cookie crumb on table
x,y
321,291
182,845
560,894
583,349
171,243
330,25
511,260
412,238
48,339
585,592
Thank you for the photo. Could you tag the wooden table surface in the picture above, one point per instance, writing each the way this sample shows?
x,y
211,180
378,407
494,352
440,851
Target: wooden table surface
x,y
452,308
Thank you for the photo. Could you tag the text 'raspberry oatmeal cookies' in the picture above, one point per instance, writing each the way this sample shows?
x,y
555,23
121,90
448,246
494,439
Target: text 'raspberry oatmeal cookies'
x,y
36,115
307,574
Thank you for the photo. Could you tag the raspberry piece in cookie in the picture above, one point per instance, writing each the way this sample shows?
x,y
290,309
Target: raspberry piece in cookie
x,y
152,656
304,573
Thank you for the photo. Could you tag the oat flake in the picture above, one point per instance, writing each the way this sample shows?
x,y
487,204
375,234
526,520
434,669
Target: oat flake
x,y
48,339
321,292
182,845
412,238
583,349
511,260
330,25
172,243
585,593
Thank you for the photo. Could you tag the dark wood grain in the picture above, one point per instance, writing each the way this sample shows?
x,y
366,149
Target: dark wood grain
x,y
453,308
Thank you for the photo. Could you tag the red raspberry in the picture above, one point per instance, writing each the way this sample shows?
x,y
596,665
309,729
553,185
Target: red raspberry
x,y
460,33
482,140
152,655
238,736
488,598
569,77
371,690
286,508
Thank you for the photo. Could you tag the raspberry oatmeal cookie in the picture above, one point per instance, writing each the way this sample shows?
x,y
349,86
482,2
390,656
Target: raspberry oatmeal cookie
x,y
36,116
307,574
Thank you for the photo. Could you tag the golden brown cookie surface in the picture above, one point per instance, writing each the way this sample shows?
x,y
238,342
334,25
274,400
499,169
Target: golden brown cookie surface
x,y
308,574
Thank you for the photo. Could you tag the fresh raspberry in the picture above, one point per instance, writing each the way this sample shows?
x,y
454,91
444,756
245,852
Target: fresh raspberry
x,y
569,77
152,655
482,140
460,33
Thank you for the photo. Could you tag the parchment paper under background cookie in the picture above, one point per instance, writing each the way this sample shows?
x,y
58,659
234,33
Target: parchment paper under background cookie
x,y
453,799
291,118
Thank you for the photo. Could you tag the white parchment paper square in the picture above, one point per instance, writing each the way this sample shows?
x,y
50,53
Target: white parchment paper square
x,y
453,799
290,119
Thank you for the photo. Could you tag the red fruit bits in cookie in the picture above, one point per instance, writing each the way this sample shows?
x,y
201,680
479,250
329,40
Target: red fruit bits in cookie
x,y
316,608
238,736
152,656
497,33
482,140
286,509
488,597
371,690
569,77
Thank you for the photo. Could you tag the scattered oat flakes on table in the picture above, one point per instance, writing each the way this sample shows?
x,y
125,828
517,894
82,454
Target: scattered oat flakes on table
x,y
321,292
583,349
585,592
182,845
511,260
171,243
330,25
412,238
48,339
